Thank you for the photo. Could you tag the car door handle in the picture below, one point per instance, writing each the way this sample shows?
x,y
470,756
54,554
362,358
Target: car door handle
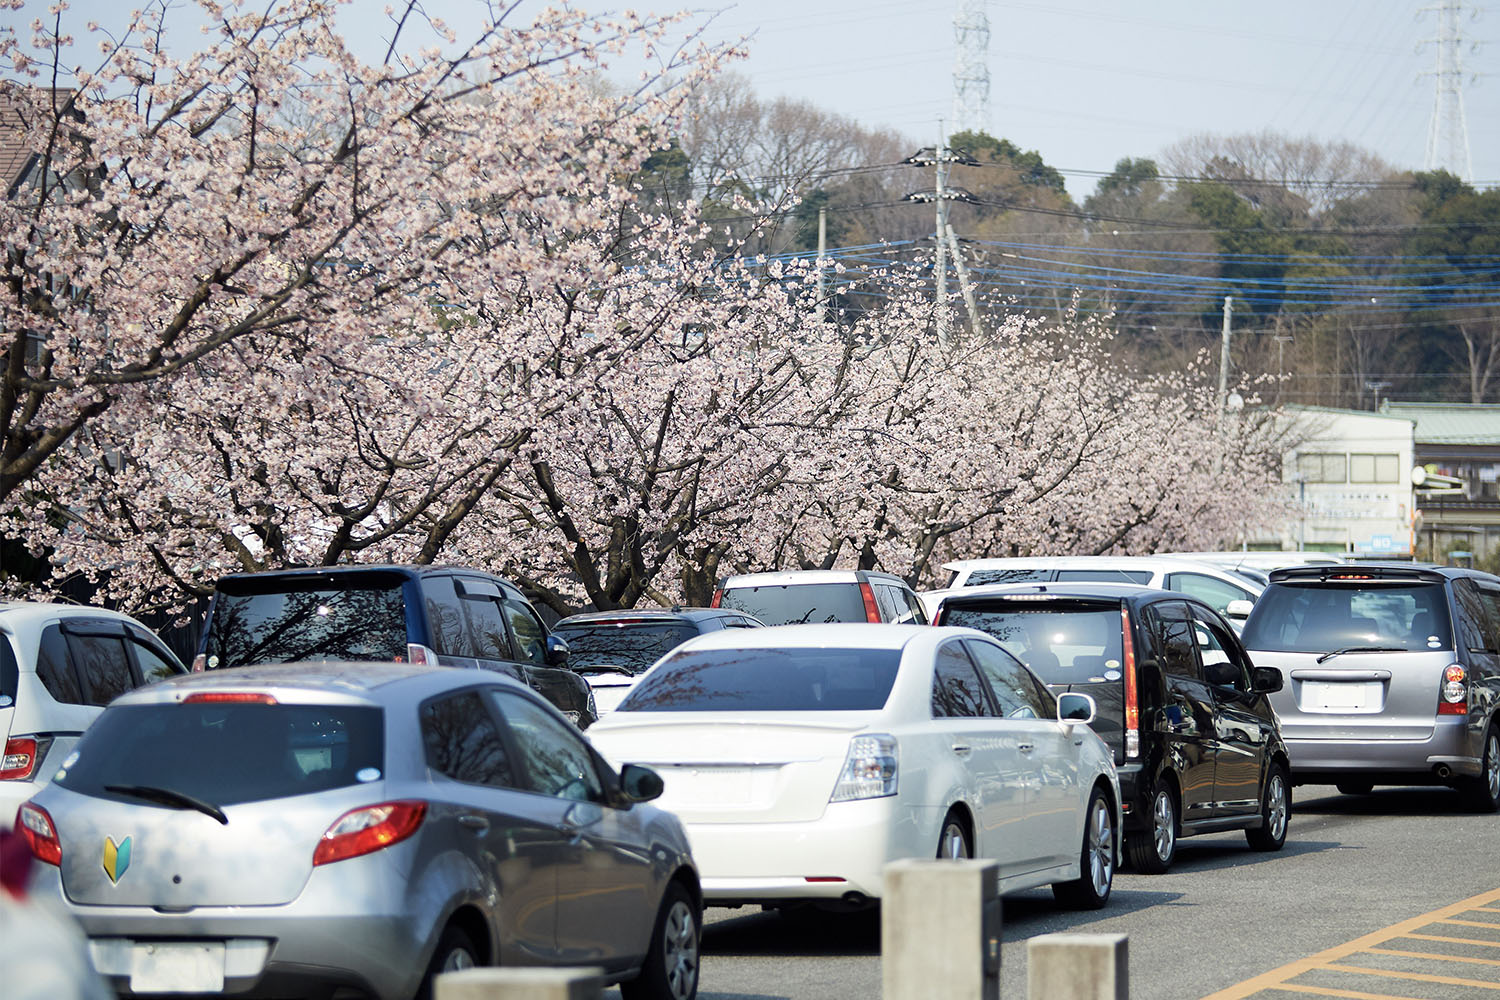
x,y
962,749
1026,747
472,822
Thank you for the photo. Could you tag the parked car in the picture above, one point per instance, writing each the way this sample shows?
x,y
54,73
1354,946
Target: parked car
x,y
1392,675
805,597
438,616
1227,593
802,759
308,828
60,664
1256,564
610,649
1185,713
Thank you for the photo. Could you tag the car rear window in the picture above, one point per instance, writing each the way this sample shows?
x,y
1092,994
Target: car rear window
x,y
768,680
1065,643
631,647
336,622
791,604
1323,617
227,753
982,576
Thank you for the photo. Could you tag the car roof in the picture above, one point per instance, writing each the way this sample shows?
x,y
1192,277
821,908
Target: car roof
x,y
1104,562
360,569
321,680
1065,588
793,577
632,616
844,635
19,614
1392,570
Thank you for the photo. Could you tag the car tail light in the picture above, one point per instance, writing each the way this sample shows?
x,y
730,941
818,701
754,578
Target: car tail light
x,y
718,596
1132,689
21,756
366,830
230,698
420,655
41,835
872,611
1454,697
869,769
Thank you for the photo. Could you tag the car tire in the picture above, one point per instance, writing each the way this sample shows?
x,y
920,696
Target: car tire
x,y
1096,859
670,971
1483,792
1356,787
454,951
1152,850
1275,811
953,842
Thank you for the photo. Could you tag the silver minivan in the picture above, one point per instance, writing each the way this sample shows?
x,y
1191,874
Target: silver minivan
x,y
1392,675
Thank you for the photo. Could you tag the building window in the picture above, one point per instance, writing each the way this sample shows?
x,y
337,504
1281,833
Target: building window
x,y
1374,469
1321,467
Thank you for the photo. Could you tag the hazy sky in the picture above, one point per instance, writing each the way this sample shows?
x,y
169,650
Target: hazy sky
x,y
1086,82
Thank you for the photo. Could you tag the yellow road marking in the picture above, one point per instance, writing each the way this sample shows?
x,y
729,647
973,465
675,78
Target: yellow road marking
x,y
1419,977
1277,978
1471,923
1454,940
1488,909
1324,991
1428,954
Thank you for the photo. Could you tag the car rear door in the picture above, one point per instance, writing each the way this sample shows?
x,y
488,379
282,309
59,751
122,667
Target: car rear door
x,y
1188,712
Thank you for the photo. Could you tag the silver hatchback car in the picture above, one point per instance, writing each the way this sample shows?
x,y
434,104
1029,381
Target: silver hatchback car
x,y
1392,675
321,829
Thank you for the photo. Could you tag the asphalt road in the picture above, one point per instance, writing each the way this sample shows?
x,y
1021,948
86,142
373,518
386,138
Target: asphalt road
x,y
1352,866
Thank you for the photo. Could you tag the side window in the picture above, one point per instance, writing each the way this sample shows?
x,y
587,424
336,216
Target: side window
x,y
153,666
1173,631
887,601
102,663
1490,598
956,690
1221,662
1475,628
1011,684
530,635
445,617
554,760
56,670
1210,590
462,741
918,613
487,625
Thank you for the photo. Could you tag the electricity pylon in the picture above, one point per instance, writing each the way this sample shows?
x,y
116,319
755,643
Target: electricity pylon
x,y
1447,130
971,68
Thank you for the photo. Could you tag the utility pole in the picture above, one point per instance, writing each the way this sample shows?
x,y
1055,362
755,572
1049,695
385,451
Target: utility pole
x,y
1224,357
940,264
940,156
822,261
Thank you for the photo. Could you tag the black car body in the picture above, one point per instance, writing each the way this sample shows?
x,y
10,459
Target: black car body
x,y
1179,703
445,616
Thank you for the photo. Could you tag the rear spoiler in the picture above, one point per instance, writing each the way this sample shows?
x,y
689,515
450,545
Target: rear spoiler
x,y
1323,573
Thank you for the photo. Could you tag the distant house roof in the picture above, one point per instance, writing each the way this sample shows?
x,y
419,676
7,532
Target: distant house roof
x,y
1450,423
17,161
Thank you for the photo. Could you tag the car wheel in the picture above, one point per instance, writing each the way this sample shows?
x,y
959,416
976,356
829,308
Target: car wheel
x,y
954,844
1483,792
1356,787
671,968
1151,852
1275,812
1096,860
454,953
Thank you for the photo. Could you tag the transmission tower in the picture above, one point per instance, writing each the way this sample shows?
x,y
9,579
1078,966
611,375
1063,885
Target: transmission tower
x,y
971,69
1447,131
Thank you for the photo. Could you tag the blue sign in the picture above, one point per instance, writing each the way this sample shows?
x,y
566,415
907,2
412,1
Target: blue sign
x,y
1381,543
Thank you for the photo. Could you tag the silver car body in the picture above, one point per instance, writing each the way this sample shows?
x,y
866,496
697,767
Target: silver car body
x,y
239,905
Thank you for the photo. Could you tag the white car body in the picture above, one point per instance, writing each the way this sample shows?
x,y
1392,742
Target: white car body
x,y
754,788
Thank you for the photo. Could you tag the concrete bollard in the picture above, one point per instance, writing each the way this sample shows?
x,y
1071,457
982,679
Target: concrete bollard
x,y
1078,967
940,930
519,984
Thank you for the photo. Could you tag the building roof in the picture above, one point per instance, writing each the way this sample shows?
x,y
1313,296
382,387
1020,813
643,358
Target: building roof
x,y
17,160
1450,423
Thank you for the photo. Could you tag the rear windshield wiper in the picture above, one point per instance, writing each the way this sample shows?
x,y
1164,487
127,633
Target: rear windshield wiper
x,y
1362,649
604,668
167,797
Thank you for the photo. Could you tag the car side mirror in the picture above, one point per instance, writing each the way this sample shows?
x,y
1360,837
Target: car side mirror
x,y
1239,609
639,783
1074,708
1265,680
557,651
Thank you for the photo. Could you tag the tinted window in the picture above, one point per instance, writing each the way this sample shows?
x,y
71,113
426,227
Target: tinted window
x,y
101,662
229,753
805,602
10,670
1475,627
153,666
55,670
1174,635
346,623
487,625
447,622
1322,618
979,576
1063,643
1140,576
1214,592
553,759
462,741
1490,598
527,629
956,688
632,647
1012,686
1216,651
767,680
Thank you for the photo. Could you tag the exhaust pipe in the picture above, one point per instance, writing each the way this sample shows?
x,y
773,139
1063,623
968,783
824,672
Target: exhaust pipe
x,y
858,900
1444,771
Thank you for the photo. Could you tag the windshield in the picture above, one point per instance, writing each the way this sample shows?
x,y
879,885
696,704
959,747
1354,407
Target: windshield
x,y
338,623
226,753
1061,645
632,647
768,680
799,603
1322,618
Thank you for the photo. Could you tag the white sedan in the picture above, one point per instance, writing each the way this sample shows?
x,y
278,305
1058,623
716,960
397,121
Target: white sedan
x,y
803,758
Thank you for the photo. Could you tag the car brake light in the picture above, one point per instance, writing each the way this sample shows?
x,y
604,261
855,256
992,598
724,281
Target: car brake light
x,y
718,596
230,697
872,611
870,769
420,655
36,826
1132,692
1455,692
368,829
20,759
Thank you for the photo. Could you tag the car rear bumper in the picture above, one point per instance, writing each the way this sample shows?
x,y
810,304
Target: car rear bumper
x,y
1444,755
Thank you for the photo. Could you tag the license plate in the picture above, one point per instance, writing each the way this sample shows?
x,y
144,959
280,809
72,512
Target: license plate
x,y
177,967
1340,696
712,786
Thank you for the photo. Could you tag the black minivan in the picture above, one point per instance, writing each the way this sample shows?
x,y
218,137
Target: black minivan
x,y
1195,741
442,616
